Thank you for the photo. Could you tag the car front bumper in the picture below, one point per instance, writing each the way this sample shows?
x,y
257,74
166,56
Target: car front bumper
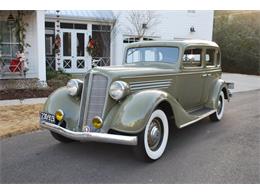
x,y
90,136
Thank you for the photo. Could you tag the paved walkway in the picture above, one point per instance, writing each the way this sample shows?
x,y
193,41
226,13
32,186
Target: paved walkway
x,y
242,83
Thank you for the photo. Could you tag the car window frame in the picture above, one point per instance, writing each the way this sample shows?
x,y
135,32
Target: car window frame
x,y
217,59
183,67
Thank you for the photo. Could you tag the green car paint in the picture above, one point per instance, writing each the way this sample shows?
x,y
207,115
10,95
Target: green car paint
x,y
151,84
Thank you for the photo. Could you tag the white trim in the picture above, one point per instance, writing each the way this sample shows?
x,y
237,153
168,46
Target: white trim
x,y
158,153
40,33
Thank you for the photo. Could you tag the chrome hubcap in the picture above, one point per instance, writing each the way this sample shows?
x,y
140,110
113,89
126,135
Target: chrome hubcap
x,y
155,134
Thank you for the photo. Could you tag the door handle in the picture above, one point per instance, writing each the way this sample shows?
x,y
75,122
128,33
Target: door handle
x,y
204,75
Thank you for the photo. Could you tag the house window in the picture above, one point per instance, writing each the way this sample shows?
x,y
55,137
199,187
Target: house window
x,y
8,41
74,26
50,25
132,39
101,28
49,41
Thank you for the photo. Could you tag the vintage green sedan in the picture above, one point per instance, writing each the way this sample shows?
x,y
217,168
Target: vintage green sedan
x,y
161,85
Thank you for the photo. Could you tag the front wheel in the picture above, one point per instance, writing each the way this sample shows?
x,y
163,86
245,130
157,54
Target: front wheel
x,y
217,116
153,140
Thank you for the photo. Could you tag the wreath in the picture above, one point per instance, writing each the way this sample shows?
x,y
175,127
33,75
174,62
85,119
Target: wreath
x,y
91,46
57,43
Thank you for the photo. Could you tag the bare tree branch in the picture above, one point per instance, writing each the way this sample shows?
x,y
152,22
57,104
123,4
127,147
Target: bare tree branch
x,y
142,22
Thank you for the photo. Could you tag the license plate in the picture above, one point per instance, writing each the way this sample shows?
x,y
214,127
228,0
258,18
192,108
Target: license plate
x,y
47,117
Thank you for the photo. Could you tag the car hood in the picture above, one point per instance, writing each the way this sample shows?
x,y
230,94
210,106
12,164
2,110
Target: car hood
x,y
133,70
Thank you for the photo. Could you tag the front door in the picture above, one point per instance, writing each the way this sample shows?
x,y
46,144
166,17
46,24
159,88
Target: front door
x,y
74,57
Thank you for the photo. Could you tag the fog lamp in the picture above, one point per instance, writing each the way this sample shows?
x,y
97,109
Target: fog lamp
x,y
97,122
59,115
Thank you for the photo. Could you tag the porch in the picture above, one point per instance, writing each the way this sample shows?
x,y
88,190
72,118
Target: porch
x,y
69,36
22,57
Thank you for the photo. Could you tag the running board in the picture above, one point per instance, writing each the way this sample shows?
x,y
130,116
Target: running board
x,y
200,114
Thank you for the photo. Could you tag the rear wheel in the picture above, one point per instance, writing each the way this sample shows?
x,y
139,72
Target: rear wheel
x,y
61,138
153,140
217,116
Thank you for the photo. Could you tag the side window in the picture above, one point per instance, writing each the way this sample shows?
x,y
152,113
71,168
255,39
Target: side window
x,y
210,57
192,58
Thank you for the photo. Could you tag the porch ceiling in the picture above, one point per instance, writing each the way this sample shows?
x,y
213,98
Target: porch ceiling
x,y
93,15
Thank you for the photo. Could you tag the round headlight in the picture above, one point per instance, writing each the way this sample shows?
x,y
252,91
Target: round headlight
x,y
118,90
73,87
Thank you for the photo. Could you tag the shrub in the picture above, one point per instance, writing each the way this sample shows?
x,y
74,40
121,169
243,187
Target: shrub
x,y
58,78
238,35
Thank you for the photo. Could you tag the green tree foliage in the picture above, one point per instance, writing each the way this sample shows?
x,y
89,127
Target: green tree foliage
x,y
238,35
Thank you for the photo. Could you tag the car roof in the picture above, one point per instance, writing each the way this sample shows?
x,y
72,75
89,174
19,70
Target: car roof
x,y
182,43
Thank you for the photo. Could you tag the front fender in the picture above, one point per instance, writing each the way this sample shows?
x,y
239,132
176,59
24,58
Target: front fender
x,y
60,99
132,114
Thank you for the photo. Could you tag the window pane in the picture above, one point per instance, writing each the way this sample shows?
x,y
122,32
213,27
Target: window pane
x,y
66,25
67,44
80,26
49,24
210,57
153,54
48,45
80,44
96,27
6,50
192,58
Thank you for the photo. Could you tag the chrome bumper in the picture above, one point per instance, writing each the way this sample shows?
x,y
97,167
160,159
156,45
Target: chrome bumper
x,y
90,136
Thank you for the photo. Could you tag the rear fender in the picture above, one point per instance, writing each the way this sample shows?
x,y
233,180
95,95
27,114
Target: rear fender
x,y
218,86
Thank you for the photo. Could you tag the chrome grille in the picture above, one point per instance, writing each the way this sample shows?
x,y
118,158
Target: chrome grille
x,y
97,98
83,101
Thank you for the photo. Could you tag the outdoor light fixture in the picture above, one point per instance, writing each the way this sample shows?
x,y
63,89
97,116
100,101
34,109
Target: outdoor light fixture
x,y
192,29
10,19
144,26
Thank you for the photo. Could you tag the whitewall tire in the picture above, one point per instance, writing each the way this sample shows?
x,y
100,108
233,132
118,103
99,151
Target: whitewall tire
x,y
153,140
218,115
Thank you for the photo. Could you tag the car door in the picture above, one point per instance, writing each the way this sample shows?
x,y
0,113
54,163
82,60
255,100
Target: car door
x,y
191,80
213,70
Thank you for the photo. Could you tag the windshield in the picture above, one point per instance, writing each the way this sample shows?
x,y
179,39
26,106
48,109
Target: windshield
x,y
152,54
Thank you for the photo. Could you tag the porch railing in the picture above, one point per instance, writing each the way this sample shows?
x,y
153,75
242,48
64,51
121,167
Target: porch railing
x,y
50,62
101,61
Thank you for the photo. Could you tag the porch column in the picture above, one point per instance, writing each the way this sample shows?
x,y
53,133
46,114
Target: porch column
x,y
40,37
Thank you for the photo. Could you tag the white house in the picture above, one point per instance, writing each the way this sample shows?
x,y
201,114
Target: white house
x,y
59,39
